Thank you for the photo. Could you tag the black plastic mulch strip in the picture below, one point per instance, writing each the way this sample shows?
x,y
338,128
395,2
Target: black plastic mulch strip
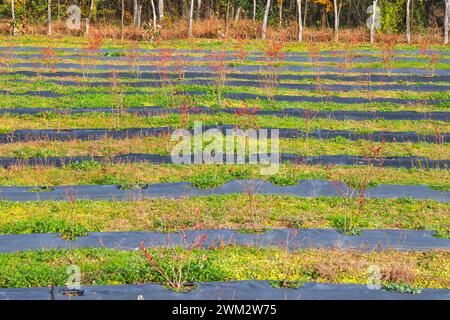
x,y
97,134
330,99
286,112
177,190
260,84
291,239
230,290
248,96
243,68
395,162
242,76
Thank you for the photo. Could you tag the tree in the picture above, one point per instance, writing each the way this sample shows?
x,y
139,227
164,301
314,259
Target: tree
x,y
161,9
13,14
88,20
191,13
154,15
254,10
337,12
49,17
265,18
122,20
280,12
447,12
373,24
199,5
408,21
300,24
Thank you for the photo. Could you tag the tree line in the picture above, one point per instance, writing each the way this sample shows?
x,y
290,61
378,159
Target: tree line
x,y
396,16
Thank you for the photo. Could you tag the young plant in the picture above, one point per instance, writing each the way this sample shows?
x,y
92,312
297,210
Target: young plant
x,y
133,59
118,95
49,59
388,52
172,70
242,53
288,268
315,58
219,70
274,56
175,264
246,118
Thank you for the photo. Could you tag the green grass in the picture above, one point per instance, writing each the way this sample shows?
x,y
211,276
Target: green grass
x,y
164,146
68,231
112,267
9,123
92,172
242,212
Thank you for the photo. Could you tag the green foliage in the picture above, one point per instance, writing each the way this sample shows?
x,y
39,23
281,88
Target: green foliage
x,y
286,284
85,165
114,54
68,231
393,15
346,225
28,152
214,178
402,288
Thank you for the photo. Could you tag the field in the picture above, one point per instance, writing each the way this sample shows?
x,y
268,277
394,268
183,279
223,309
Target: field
x,y
358,207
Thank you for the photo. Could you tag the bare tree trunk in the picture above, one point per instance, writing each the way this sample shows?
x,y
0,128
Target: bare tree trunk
x,y
88,20
191,13
306,13
227,18
372,27
447,12
408,21
139,20
336,21
154,15
265,18
122,21
280,13
238,13
300,24
135,12
254,10
49,17
161,9
13,14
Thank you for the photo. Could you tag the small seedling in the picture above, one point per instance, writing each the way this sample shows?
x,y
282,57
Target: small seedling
x,y
287,284
402,288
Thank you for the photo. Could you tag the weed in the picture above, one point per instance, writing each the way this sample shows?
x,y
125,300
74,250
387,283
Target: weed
x,y
68,231
286,284
341,224
85,165
176,268
402,288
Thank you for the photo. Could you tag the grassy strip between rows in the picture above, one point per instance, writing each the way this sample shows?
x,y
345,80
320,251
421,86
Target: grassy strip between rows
x,y
246,119
129,175
103,266
164,146
211,90
139,100
144,60
247,213
205,44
